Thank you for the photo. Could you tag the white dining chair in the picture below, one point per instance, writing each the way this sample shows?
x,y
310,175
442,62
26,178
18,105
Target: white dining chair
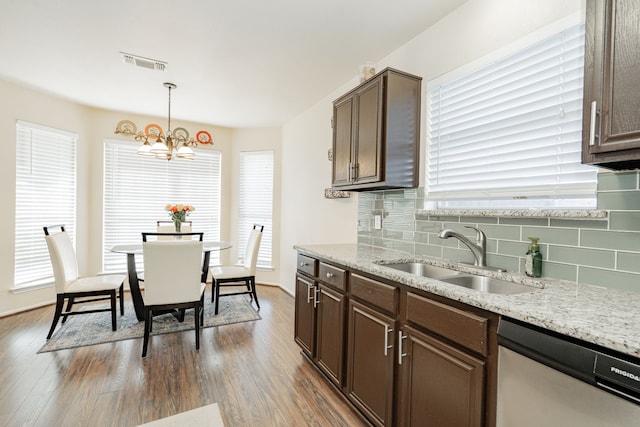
x,y
173,280
72,288
239,275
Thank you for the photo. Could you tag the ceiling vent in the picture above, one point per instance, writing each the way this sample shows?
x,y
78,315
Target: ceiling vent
x,y
140,61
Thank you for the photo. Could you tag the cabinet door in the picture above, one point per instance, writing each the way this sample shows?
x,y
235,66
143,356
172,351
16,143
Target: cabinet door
x,y
368,138
439,384
342,141
370,363
329,333
305,314
611,123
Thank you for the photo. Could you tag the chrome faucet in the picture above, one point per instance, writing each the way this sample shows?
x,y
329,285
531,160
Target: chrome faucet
x,y
478,249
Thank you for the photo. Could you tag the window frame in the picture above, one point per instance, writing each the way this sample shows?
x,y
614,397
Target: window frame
x,y
47,193
250,213
544,198
196,182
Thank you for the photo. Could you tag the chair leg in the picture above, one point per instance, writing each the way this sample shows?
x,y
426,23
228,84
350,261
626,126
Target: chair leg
x,y
217,291
70,302
113,310
148,318
248,283
122,299
202,310
253,291
56,316
196,318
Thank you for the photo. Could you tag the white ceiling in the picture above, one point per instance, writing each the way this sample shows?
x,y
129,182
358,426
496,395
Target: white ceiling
x,y
237,63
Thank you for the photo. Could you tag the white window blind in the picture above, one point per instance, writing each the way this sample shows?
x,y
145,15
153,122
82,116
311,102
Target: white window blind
x,y
256,202
137,188
511,131
45,195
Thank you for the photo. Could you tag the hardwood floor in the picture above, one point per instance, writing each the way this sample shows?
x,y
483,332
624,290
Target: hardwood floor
x,y
253,370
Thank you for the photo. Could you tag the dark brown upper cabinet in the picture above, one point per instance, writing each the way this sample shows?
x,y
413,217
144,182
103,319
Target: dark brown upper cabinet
x,y
376,134
611,118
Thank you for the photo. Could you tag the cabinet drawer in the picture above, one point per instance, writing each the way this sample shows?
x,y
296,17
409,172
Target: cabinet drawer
x,y
374,292
333,276
307,265
464,328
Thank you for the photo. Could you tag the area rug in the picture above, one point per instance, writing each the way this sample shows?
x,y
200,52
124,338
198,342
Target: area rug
x,y
95,328
206,416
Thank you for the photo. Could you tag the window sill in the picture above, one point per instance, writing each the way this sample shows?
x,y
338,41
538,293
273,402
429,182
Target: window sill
x,y
31,287
516,213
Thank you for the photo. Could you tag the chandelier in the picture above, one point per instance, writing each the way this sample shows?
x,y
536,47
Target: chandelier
x,y
164,145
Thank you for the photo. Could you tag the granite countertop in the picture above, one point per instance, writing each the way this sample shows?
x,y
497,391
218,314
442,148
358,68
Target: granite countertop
x,y
602,316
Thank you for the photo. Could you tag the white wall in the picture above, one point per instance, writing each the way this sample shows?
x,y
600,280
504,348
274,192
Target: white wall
x,y
307,217
475,29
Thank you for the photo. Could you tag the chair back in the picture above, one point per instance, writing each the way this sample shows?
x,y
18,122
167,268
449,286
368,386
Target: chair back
x,y
63,258
164,236
168,227
172,271
253,247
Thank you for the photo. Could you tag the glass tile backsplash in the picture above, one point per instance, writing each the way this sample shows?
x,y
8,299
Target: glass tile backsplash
x,y
603,252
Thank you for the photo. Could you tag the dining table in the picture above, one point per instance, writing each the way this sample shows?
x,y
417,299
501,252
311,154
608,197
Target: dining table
x,y
134,249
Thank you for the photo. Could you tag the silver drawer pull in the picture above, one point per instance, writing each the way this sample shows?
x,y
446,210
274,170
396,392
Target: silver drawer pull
x,y
309,296
304,264
330,275
387,347
400,353
316,297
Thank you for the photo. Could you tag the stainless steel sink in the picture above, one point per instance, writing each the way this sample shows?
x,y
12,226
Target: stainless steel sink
x,y
479,283
488,285
422,269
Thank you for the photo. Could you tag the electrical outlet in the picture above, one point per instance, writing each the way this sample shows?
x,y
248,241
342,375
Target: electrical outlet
x,y
377,222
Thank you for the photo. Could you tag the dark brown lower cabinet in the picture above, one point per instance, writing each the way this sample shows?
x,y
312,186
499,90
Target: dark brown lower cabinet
x,y
305,314
370,363
401,357
330,333
439,386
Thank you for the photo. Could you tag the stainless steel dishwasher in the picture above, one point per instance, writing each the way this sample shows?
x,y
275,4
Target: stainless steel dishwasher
x,y
548,379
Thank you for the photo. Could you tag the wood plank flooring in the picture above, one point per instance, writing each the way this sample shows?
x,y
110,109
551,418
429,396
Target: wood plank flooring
x,y
253,370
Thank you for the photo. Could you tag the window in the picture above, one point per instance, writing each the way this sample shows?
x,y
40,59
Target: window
x,y
508,135
45,195
256,201
137,188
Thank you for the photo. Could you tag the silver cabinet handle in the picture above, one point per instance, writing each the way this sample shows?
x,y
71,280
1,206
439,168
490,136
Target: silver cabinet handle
x,y
315,297
400,353
592,124
387,347
330,275
309,296
303,264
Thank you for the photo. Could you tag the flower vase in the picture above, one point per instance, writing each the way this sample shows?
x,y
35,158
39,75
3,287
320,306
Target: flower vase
x,y
178,226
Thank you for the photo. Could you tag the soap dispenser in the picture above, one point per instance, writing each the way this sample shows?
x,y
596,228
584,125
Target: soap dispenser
x,y
533,259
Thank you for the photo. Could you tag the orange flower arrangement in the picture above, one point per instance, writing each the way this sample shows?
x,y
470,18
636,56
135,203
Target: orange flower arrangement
x,y
179,213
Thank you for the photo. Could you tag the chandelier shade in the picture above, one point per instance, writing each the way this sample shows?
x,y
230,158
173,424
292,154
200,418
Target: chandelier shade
x,y
164,145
